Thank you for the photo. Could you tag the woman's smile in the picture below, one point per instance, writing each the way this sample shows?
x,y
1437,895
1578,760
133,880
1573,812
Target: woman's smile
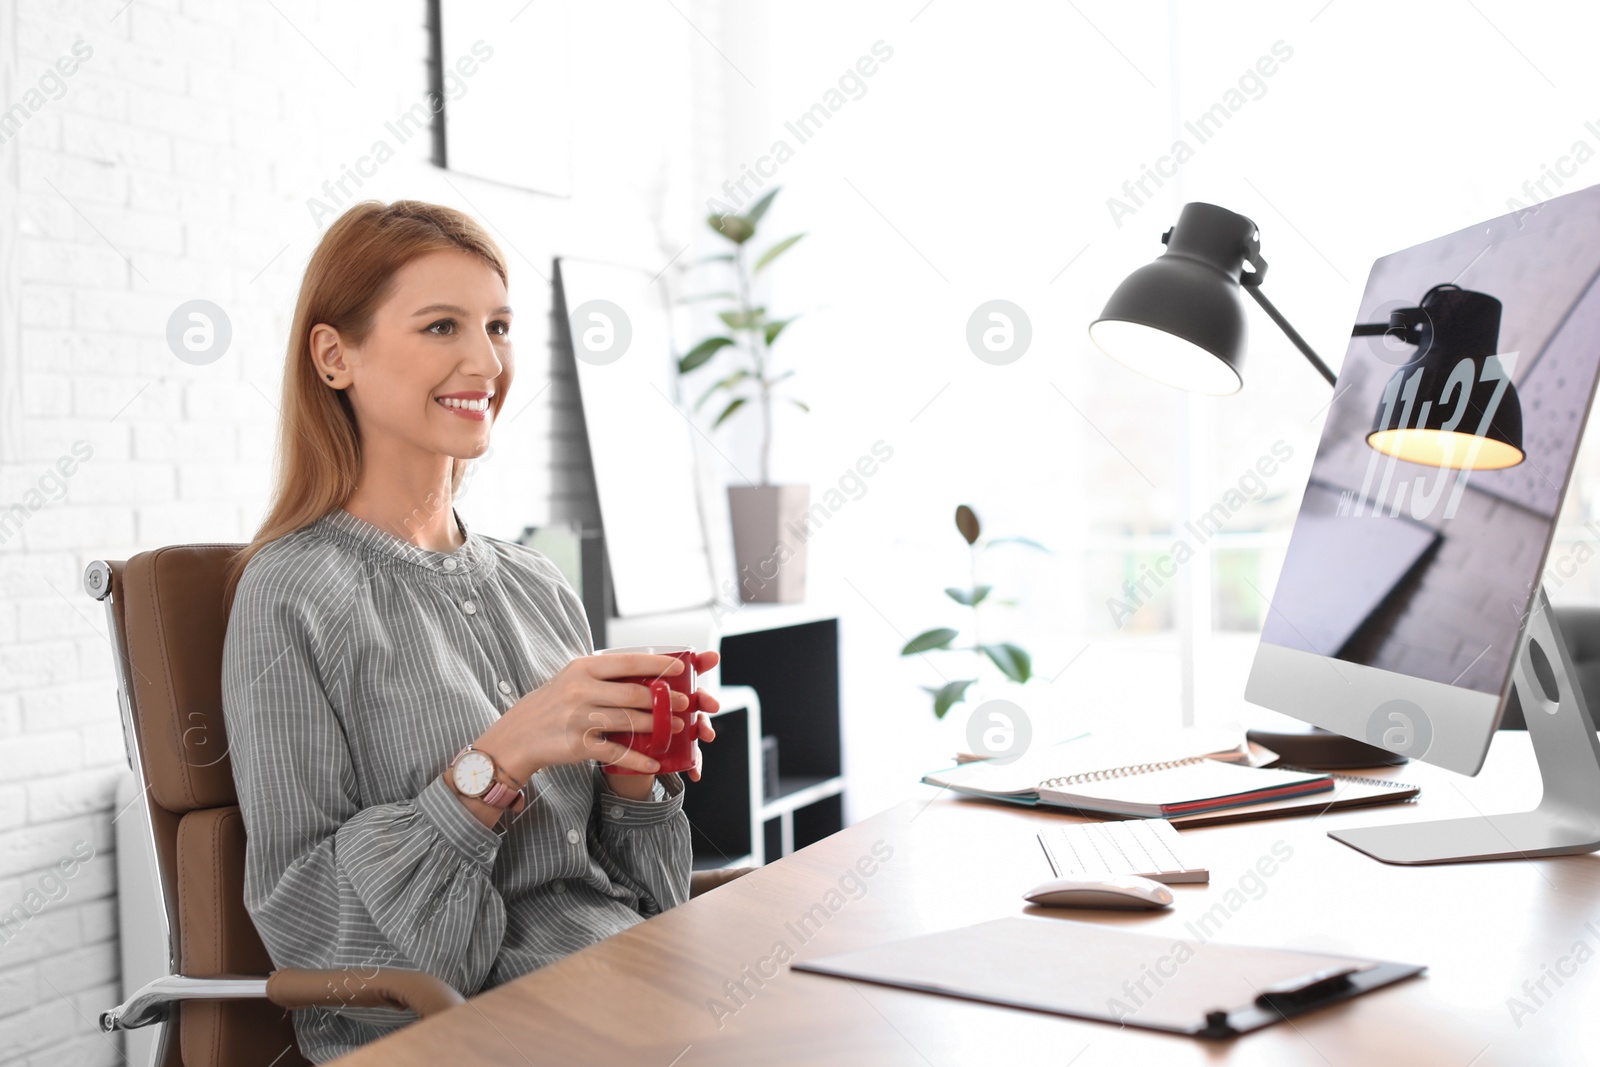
x,y
474,406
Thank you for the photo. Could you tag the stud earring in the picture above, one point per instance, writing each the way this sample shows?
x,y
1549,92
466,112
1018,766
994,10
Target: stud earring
x,y
330,377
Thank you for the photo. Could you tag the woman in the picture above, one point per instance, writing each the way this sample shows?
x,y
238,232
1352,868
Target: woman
x,y
373,637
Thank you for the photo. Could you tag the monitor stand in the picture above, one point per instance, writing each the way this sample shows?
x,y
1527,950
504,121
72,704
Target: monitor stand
x,y
1567,820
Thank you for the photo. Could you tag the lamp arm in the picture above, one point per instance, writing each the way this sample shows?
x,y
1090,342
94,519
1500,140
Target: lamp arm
x,y
1293,335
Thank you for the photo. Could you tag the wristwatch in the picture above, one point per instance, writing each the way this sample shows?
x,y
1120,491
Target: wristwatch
x,y
474,773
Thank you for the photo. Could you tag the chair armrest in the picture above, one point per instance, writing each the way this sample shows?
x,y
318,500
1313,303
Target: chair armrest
x,y
384,987
700,881
289,987
153,1001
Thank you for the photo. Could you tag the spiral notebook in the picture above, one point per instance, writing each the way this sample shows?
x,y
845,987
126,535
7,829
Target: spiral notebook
x,y
1096,775
1177,787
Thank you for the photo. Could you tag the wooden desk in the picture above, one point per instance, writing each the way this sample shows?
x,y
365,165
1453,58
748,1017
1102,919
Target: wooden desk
x,y
644,996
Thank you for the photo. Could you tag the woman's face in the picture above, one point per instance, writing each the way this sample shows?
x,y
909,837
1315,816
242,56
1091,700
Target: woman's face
x,y
443,331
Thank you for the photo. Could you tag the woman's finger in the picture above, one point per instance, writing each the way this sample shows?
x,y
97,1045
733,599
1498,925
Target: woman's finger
x,y
603,720
619,721
596,745
634,695
616,754
704,661
706,701
634,665
632,759
622,695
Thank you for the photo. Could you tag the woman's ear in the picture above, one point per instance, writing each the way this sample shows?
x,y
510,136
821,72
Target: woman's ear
x,y
327,353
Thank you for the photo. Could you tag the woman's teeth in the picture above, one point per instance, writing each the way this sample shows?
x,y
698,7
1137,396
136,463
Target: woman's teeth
x,y
466,405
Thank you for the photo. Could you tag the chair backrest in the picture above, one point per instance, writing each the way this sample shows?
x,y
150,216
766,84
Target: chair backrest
x,y
169,616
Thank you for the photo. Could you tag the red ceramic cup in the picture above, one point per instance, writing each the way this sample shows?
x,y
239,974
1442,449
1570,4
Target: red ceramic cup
x,y
674,751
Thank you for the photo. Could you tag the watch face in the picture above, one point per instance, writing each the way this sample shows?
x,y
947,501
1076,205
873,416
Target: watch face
x,y
474,774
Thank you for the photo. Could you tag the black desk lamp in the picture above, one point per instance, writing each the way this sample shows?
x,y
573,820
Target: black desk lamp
x,y
1180,320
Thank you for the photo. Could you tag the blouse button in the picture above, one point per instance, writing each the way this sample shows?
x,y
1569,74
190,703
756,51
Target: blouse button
x,y
614,812
469,607
504,687
560,887
572,836
449,564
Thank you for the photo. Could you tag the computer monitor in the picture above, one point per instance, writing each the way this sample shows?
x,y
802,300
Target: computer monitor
x,y
1409,601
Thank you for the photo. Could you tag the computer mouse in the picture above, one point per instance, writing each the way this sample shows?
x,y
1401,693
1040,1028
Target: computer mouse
x,y
1121,891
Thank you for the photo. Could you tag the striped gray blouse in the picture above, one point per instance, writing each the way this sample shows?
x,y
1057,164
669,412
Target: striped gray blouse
x,y
355,666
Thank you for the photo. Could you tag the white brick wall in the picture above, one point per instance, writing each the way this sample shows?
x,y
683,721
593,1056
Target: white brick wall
x,y
176,165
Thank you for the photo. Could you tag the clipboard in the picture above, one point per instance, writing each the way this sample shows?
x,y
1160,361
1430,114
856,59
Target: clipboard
x,y
1093,971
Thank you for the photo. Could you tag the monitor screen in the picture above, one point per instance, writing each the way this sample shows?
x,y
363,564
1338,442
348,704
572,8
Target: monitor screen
x,y
1488,339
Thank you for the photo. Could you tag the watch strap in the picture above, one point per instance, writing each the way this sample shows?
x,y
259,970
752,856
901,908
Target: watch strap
x,y
501,795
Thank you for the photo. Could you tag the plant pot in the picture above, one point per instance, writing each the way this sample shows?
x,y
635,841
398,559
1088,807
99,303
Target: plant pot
x,y
769,541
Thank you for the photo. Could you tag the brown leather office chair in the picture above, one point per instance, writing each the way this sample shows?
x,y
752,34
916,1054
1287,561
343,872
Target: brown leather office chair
x,y
221,997
222,1001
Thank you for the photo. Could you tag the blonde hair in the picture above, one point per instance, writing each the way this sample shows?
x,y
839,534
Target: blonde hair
x,y
350,274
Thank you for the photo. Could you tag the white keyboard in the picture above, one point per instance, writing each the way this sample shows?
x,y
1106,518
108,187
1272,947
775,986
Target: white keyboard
x,y
1149,848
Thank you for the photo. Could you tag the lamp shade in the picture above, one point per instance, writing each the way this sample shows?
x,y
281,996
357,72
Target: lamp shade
x,y
1454,405
1180,320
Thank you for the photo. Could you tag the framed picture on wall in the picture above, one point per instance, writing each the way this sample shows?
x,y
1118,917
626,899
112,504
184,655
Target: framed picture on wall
x,y
502,69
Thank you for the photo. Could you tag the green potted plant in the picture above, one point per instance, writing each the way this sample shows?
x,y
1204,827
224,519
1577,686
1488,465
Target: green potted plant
x,y
769,525
1012,660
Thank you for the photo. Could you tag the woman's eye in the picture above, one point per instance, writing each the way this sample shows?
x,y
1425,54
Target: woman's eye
x,y
499,328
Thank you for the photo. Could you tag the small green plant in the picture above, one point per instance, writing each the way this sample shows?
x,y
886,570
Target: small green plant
x,y
755,378
1012,660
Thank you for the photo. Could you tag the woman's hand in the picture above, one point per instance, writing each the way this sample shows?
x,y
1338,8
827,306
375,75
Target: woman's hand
x,y
565,720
